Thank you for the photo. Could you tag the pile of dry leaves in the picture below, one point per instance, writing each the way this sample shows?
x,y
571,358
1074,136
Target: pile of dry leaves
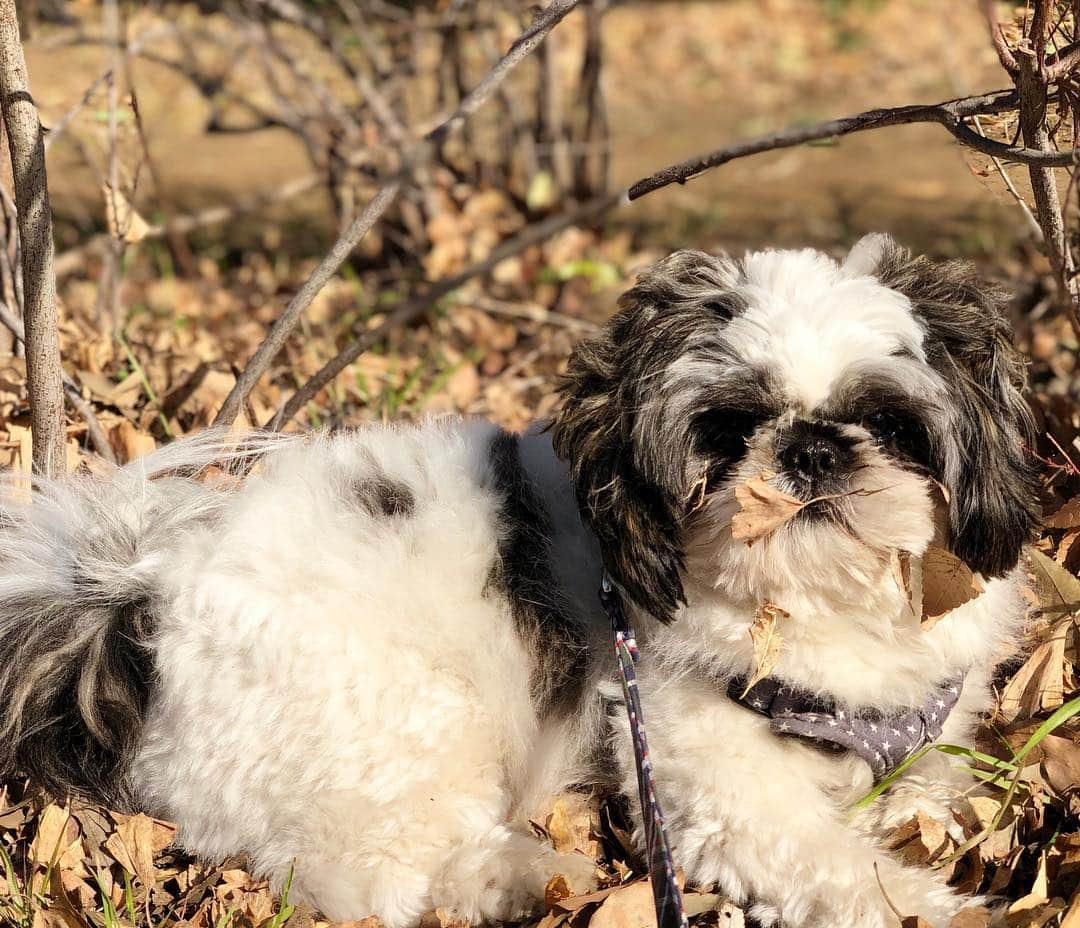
x,y
77,866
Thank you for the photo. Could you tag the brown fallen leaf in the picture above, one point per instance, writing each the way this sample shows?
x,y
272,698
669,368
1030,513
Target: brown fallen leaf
x,y
1057,589
975,916
628,907
573,824
920,841
440,918
1072,914
947,583
54,835
900,566
136,842
1066,548
556,891
1068,516
1039,683
106,390
129,443
767,641
763,508
122,218
1061,764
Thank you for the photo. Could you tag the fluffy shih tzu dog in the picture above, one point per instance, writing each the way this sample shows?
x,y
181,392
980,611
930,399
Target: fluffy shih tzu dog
x,y
372,658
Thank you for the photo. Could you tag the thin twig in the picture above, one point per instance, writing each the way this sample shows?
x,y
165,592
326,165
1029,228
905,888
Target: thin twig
x,y
419,305
1029,217
132,50
533,313
121,217
950,114
412,157
27,150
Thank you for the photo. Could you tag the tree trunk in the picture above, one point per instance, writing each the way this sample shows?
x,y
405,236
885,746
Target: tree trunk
x,y
25,144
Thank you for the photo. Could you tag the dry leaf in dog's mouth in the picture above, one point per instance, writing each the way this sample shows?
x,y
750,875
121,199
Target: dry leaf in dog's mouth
x,y
767,641
763,508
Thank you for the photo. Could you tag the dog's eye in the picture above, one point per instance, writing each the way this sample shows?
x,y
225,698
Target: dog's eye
x,y
898,433
882,425
723,433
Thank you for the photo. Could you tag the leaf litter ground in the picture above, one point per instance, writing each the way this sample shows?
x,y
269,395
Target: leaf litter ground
x,y
495,348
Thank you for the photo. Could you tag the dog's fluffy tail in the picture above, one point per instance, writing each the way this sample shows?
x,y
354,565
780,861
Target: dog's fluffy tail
x,y
79,568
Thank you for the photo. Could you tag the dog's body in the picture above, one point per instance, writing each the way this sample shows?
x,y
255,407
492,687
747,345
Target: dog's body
x,y
382,651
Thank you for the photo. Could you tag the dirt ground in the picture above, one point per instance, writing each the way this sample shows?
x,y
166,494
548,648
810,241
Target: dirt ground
x,y
681,78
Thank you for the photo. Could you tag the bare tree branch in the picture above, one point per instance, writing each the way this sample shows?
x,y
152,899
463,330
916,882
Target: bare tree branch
x,y
419,305
1004,52
412,157
26,146
950,114
1031,88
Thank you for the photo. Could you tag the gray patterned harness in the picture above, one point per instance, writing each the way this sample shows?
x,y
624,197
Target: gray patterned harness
x,y
883,739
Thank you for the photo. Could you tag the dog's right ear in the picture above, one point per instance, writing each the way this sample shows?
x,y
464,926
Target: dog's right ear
x,y
631,483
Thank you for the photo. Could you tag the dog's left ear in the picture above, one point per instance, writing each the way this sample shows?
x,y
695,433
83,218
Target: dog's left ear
x,y
993,481
628,469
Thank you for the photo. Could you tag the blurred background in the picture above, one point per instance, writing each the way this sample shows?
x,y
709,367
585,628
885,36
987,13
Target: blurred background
x,y
245,134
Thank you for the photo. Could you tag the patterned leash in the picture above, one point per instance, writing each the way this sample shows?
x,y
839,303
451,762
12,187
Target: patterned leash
x,y
666,893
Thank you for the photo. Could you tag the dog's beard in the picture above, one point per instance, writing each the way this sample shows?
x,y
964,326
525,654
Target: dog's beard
x,y
836,550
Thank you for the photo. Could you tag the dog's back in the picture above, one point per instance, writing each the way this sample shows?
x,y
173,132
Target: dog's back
x,y
333,662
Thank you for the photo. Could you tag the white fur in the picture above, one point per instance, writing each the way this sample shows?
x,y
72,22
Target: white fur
x,y
339,692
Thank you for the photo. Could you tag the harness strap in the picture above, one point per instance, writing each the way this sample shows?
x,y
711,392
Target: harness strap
x,y
667,896
883,739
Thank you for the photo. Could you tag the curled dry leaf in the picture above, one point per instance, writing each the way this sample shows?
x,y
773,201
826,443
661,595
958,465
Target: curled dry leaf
x,y
129,443
629,906
1068,516
573,824
138,839
1039,683
440,918
947,583
53,835
557,889
763,508
1058,591
920,841
767,641
122,218
900,565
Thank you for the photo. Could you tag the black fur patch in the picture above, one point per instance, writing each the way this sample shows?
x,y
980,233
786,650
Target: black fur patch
x,y
524,575
381,496
628,460
83,679
994,483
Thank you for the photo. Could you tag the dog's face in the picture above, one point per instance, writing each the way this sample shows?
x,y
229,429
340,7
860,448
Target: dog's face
x,y
886,389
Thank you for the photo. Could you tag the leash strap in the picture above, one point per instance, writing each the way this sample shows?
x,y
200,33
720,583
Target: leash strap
x,y
666,893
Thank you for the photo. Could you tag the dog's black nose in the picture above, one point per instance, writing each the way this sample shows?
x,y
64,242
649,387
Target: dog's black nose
x,y
812,459
816,454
